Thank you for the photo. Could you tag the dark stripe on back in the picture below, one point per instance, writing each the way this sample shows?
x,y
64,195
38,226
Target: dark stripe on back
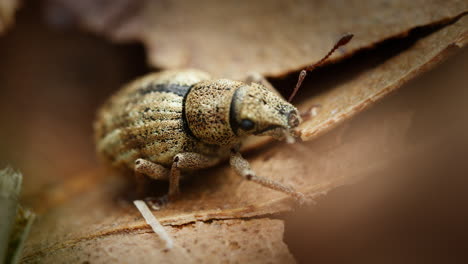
x,y
184,116
232,114
180,90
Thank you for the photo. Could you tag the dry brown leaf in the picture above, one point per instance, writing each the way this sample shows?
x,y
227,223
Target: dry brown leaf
x,y
231,38
231,241
314,167
369,85
354,88
7,13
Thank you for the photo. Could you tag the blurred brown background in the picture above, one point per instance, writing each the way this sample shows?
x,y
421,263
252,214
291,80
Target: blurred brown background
x,y
413,206
52,79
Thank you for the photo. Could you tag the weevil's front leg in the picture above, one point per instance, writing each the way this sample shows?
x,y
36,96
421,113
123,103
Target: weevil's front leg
x,y
242,168
187,160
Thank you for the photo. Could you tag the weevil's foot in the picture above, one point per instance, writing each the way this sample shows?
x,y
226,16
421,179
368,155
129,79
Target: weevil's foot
x,y
157,203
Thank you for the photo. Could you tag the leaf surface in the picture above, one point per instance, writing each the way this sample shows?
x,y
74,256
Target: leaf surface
x,y
232,38
315,167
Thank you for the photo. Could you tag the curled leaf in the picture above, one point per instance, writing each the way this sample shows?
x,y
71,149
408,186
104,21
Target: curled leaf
x,y
232,38
371,84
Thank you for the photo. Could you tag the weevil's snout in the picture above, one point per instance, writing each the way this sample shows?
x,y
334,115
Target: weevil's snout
x,y
293,119
261,112
284,129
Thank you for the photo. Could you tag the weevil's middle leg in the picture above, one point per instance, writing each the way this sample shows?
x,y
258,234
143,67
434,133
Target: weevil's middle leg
x,y
242,168
187,160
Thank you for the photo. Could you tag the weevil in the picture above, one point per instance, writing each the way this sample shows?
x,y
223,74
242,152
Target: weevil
x,y
168,122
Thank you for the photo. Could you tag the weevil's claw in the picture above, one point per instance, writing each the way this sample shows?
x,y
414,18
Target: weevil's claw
x,y
157,203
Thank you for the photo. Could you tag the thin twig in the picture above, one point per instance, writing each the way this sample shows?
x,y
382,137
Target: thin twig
x,y
154,223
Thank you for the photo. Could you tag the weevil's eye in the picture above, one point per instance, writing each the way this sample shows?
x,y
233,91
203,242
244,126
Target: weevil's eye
x,y
247,124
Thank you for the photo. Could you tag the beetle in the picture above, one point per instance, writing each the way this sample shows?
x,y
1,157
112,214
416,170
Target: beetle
x,y
171,121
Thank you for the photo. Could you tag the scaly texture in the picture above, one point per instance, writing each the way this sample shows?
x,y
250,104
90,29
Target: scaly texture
x,y
145,120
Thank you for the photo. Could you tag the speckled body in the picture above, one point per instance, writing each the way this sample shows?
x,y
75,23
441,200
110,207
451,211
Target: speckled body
x,y
145,120
170,121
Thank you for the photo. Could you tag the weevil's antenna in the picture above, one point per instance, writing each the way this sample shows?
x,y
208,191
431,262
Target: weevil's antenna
x,y
343,41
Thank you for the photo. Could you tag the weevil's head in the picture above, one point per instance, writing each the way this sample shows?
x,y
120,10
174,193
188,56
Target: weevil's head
x,y
222,112
259,111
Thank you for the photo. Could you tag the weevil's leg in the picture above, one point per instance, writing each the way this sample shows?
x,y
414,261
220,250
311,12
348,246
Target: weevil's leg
x,y
154,171
242,168
258,78
187,160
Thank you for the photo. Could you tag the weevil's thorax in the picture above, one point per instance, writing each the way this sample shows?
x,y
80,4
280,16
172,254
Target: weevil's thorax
x,y
222,112
207,111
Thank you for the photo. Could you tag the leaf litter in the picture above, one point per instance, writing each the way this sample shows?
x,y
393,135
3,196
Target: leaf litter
x,y
91,217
